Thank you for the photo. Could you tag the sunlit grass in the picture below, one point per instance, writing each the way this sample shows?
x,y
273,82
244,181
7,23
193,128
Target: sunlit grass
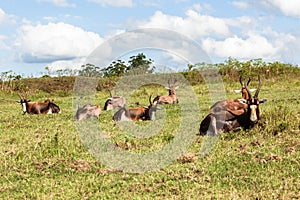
x,y
42,157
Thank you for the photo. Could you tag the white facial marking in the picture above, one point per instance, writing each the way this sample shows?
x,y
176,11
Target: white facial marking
x,y
49,111
253,116
24,107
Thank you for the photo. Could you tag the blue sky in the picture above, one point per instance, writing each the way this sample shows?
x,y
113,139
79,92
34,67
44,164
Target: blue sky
x,y
59,34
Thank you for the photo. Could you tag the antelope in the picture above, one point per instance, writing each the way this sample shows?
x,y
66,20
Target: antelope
x,y
172,98
114,102
88,111
141,113
232,102
233,115
46,107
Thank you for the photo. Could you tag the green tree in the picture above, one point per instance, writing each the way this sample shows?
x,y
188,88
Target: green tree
x,y
140,63
136,64
89,70
116,68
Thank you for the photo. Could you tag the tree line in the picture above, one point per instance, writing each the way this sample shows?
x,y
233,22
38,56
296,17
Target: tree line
x,y
230,70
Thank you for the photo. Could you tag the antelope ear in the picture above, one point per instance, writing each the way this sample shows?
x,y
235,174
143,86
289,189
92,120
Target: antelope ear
x,y
28,100
176,87
158,108
263,100
18,101
237,91
167,88
252,90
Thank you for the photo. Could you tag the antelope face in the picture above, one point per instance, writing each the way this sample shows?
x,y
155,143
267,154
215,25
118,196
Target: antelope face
x,y
23,103
254,109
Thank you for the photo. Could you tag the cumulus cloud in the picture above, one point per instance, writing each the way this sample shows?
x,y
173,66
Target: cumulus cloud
x,y
67,64
52,42
287,7
115,3
193,25
60,3
254,46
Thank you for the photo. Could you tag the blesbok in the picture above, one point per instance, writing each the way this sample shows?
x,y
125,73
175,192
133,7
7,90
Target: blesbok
x,y
141,113
114,102
88,111
171,98
234,115
231,103
46,107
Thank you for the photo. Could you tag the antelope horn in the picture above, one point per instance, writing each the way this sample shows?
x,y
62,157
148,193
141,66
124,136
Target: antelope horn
x,y
175,81
150,99
248,81
258,89
169,83
241,81
250,96
110,93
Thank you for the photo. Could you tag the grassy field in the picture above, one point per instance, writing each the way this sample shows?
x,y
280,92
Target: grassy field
x,y
43,157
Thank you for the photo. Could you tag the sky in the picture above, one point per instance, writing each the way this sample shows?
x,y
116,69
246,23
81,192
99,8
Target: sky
x,y
60,34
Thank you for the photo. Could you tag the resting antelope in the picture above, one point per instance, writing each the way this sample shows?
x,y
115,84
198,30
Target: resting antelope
x,y
233,115
172,98
228,103
141,113
114,102
46,107
88,111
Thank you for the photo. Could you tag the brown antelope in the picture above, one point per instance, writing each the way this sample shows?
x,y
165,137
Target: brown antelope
x,y
231,103
88,111
141,113
233,115
172,98
46,107
114,102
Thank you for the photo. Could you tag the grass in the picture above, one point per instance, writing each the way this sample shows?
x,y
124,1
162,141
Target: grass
x,y
42,156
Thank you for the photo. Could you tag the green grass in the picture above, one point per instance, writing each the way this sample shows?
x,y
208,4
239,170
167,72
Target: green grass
x,y
42,156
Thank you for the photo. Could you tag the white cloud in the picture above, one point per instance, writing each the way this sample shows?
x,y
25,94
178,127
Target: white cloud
x,y
254,46
60,3
51,42
193,25
6,18
115,3
287,7
67,64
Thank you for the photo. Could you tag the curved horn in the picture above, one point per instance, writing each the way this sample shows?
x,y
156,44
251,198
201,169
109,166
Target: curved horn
x,y
248,81
248,91
258,89
150,99
110,93
241,81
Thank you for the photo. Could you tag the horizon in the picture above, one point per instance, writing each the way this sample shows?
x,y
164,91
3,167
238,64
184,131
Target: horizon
x,y
62,34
